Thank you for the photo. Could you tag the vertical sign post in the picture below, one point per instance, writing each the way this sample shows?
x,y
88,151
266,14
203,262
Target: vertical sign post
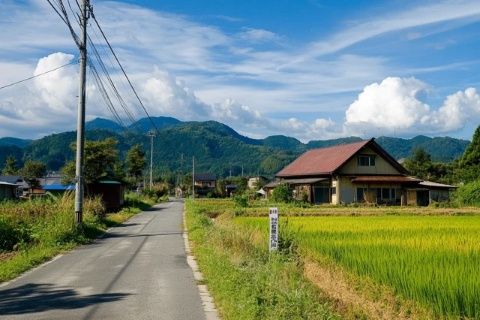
x,y
273,239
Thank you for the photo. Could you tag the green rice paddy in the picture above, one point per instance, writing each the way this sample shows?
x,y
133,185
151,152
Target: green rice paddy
x,y
433,260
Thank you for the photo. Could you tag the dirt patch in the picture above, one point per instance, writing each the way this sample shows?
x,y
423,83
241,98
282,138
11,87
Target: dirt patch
x,y
360,300
4,256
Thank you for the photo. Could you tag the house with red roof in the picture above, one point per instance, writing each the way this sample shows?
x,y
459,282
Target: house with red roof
x,y
353,173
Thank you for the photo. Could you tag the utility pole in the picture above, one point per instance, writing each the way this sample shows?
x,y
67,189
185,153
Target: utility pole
x,y
79,185
193,177
151,134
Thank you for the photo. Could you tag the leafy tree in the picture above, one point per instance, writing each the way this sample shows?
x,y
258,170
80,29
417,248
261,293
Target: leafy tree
x,y
10,166
101,161
471,156
282,193
420,164
31,171
135,161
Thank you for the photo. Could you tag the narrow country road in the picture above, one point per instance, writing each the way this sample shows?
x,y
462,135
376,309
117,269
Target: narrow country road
x,y
137,271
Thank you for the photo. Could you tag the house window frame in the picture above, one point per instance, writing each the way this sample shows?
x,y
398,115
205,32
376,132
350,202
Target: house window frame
x,y
370,160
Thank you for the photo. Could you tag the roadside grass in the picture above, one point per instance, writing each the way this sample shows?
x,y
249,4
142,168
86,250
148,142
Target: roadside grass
x,y
33,232
245,280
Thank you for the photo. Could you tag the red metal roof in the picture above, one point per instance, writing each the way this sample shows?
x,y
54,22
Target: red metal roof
x,y
322,161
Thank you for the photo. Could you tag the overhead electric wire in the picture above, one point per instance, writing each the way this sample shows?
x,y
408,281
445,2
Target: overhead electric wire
x,y
105,96
104,92
37,75
123,70
110,81
62,13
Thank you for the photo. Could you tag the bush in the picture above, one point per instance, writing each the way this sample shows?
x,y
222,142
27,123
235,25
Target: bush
x,y
282,193
468,194
241,201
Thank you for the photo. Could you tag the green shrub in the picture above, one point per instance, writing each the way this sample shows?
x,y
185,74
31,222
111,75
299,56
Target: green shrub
x,y
282,193
241,201
468,194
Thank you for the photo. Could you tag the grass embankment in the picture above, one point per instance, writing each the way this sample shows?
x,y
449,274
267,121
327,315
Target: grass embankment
x,y
260,208
245,280
409,266
32,232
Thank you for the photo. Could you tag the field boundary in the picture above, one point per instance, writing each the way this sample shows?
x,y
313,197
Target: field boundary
x,y
208,303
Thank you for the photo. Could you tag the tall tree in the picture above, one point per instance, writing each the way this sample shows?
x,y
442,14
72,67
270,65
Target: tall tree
x,y
32,171
135,162
469,163
471,156
101,161
10,166
420,164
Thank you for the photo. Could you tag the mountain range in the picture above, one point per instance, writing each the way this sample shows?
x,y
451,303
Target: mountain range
x,y
216,147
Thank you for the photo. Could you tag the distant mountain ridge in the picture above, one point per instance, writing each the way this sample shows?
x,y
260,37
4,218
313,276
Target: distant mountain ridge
x,y
216,147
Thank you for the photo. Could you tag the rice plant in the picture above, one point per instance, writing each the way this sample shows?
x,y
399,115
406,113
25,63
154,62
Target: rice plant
x,y
434,260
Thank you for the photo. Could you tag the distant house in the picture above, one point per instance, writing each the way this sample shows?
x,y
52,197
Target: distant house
x,y
204,183
8,191
356,172
17,180
53,184
257,182
112,193
205,180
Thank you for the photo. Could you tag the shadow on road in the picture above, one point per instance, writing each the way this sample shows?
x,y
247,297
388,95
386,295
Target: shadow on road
x,y
30,298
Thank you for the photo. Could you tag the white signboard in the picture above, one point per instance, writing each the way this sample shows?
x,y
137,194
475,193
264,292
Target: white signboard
x,y
273,239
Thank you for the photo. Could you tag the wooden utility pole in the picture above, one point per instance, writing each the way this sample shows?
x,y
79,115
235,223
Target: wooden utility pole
x,y
151,134
79,186
193,177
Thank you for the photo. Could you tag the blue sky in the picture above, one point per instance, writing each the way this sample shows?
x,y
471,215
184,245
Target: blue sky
x,y
310,69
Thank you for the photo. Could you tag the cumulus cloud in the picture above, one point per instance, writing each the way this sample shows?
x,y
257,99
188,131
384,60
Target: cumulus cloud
x,y
395,105
167,95
58,89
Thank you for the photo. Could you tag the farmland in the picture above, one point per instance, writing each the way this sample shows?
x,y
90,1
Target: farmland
x,y
429,259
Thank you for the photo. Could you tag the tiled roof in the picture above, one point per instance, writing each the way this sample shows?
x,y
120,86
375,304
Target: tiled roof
x,y
322,161
205,177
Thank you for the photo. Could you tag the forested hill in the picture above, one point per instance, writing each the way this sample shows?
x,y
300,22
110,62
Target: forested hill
x,y
216,147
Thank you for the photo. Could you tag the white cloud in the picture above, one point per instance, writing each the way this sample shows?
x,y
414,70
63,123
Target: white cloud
x,y
165,94
395,106
229,79
258,35
58,89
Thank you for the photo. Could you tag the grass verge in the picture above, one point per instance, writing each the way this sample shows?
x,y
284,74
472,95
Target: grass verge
x,y
245,280
35,231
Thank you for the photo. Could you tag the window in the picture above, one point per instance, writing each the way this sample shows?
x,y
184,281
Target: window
x,y
366,160
360,194
386,194
334,191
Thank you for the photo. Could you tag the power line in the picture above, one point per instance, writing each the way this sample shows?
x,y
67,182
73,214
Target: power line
x,y
124,73
38,75
105,96
110,81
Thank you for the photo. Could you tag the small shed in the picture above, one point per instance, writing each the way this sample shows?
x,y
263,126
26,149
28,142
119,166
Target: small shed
x,y
8,191
427,192
112,193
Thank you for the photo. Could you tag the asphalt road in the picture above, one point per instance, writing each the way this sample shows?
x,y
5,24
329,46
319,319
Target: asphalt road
x,y
137,271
